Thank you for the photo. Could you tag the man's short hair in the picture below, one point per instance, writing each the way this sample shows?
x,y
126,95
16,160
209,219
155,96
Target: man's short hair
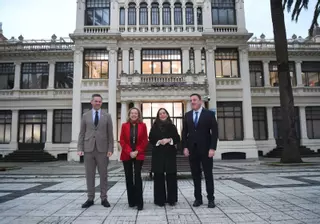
x,y
196,94
96,95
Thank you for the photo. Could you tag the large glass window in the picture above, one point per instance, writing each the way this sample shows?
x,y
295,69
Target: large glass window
x,y
132,17
230,124
32,126
223,12
260,125
7,76
34,75
96,64
122,16
226,61
256,73
277,122
310,73
273,71
63,77
313,122
143,14
131,61
165,61
166,13
189,14
5,126
62,126
97,12
177,14
155,17
199,16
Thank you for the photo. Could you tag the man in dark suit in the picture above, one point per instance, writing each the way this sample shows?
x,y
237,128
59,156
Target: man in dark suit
x,y
199,139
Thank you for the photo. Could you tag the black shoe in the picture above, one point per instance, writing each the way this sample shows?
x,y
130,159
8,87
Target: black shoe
x,y
140,207
172,203
197,203
87,204
132,205
105,203
159,204
211,204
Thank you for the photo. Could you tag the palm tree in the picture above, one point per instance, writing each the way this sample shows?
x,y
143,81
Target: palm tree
x,y
291,153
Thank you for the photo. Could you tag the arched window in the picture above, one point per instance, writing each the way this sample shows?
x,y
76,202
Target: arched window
x,y
191,60
166,13
189,14
132,17
143,14
199,16
203,60
177,14
155,14
122,16
223,12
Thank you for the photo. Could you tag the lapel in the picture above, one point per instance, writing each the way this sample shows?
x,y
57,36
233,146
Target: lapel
x,y
129,130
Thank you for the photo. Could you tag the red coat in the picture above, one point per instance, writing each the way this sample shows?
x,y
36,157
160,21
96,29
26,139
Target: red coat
x,y
142,141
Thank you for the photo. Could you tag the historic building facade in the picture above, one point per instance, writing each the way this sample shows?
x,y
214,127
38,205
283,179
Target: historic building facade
x,y
153,54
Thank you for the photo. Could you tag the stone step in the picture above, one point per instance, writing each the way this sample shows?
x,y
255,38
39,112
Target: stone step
x,y
29,156
304,151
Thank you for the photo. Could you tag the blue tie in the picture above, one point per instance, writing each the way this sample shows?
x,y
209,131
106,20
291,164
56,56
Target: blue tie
x,y
196,119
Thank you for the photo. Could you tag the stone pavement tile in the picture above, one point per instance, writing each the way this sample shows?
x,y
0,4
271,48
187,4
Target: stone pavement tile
x,y
209,219
91,220
245,217
227,203
183,219
58,220
7,219
180,211
15,212
274,216
96,211
302,215
27,220
205,211
230,210
16,186
291,221
120,220
152,219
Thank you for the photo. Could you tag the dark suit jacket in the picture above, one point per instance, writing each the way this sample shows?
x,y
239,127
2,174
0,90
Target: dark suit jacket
x,y
204,136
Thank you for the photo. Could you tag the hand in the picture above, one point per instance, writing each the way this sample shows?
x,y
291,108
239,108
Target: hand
x,y
211,153
168,140
186,152
109,154
133,154
80,153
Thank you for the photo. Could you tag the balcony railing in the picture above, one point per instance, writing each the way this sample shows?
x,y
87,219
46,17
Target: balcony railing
x,y
225,28
157,28
274,91
96,29
36,93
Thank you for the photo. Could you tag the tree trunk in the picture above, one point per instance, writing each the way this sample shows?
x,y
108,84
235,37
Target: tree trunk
x,y
291,153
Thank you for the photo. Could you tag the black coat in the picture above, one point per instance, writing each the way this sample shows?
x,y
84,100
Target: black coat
x,y
164,156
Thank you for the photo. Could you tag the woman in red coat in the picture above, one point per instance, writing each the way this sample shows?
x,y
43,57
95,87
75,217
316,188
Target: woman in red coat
x,y
133,141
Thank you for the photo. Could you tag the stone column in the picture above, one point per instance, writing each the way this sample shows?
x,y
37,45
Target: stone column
x,y
241,22
188,106
114,17
160,17
125,61
137,60
195,18
137,16
137,104
76,103
299,74
172,16
149,16
184,22
197,59
266,74
112,98
211,76
185,59
51,74
126,18
246,94
49,135
270,124
80,16
303,124
17,75
124,111
14,130
207,16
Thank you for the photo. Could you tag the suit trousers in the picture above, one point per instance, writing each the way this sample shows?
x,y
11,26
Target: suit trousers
x,y
197,159
92,160
134,187
165,192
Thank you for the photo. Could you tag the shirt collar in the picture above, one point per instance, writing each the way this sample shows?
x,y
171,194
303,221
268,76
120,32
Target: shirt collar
x,y
199,111
94,111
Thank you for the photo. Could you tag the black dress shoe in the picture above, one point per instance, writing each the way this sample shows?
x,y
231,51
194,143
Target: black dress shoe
x,y
140,207
197,203
172,203
87,204
211,204
159,204
132,205
105,203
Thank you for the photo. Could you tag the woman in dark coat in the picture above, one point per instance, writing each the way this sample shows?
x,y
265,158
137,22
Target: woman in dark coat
x,y
163,137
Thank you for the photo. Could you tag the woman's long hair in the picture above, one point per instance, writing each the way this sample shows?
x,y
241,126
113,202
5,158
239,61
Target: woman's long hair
x,y
139,114
159,122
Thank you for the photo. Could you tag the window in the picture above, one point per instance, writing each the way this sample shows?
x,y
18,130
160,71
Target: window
x,y
260,125
161,61
122,16
166,14
131,61
143,14
32,126
256,73
155,14
189,14
7,76
63,75
97,12
132,18
34,75
229,117
199,16
119,68
313,122
310,73
5,126
223,12
177,14
226,63
277,119
62,126
203,60
96,64
191,60
273,70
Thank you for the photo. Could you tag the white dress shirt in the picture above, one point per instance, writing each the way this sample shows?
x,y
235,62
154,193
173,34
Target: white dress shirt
x,y
94,114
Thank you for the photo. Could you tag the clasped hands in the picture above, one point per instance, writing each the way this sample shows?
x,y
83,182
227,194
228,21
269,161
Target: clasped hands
x,y
165,141
134,154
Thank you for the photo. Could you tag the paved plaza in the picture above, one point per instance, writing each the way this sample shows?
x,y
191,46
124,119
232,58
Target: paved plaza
x,y
246,192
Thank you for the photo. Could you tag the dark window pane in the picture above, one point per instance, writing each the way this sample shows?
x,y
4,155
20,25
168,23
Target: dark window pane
x,y
34,75
122,16
64,75
62,126
132,14
166,14
98,12
223,12
143,17
7,75
189,14
155,14
313,122
177,14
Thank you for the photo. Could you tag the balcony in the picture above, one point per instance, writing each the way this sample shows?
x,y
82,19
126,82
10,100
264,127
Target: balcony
x,y
94,84
274,91
163,29
225,28
96,29
228,83
35,94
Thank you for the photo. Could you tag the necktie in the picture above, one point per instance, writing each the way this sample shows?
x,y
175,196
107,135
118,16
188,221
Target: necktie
x,y
196,119
96,119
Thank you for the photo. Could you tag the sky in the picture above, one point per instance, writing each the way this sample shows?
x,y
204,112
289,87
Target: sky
x,y
40,19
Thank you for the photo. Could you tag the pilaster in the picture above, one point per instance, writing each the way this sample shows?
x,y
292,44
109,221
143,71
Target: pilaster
x,y
211,77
